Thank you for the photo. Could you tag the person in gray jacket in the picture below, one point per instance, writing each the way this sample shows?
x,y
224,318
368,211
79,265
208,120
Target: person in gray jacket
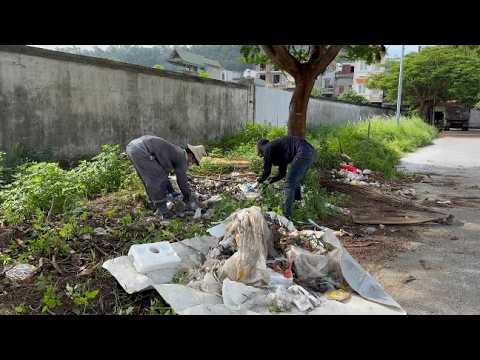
x,y
154,159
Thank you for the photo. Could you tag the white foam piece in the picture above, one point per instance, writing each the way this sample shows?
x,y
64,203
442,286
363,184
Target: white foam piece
x,y
151,257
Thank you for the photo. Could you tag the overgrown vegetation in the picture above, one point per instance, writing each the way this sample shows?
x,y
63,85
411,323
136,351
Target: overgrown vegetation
x,y
73,220
46,188
17,156
377,144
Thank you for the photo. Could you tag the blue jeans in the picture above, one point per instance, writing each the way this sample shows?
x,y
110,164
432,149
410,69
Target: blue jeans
x,y
299,167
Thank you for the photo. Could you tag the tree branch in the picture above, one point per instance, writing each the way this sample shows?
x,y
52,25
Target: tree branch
x,y
281,57
317,53
319,64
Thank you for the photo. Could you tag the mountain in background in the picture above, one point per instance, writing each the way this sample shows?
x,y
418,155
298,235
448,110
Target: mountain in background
x,y
228,55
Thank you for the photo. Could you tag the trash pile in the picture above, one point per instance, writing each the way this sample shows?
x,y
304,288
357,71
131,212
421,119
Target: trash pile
x,y
254,263
233,183
349,174
206,191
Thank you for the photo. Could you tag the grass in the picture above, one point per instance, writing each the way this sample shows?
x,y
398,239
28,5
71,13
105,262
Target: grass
x,y
54,208
377,144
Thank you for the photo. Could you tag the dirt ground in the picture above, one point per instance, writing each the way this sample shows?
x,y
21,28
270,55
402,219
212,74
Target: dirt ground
x,y
429,268
440,272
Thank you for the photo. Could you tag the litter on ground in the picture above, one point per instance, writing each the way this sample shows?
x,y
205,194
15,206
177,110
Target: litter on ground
x,y
21,272
258,263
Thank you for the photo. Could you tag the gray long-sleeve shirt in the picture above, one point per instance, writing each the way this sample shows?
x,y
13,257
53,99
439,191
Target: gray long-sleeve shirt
x,y
171,158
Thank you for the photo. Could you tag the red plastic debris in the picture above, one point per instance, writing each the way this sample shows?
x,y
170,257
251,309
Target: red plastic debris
x,y
288,272
351,168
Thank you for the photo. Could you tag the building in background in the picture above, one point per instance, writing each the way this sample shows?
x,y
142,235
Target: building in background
x,y
325,83
274,77
194,64
343,78
228,75
362,72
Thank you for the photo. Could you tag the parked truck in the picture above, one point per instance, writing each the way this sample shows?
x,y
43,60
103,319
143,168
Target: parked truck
x,y
452,115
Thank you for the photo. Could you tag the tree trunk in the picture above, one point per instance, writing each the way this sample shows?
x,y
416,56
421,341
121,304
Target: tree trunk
x,y
297,119
424,108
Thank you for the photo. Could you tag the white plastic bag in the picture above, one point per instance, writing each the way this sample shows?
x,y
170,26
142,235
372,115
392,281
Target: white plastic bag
x,y
252,239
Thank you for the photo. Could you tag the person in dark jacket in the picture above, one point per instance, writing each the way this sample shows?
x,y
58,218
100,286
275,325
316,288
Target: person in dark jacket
x,y
154,159
282,152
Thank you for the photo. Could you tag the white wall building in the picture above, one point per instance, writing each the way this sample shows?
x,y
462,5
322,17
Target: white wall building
x,y
228,75
250,74
362,73
274,77
325,82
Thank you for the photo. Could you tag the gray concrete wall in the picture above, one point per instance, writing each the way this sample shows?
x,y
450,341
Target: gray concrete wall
x,y
71,104
474,121
214,72
272,107
322,112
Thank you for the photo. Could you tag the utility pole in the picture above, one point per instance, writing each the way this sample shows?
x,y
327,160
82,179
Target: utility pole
x,y
400,81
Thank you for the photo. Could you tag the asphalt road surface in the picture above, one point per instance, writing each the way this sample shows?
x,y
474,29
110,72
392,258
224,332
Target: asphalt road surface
x,y
441,272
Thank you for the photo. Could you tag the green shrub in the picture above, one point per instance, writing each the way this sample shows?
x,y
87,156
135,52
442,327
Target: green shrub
x,y
105,173
352,97
45,186
19,155
48,244
41,186
50,300
80,296
203,74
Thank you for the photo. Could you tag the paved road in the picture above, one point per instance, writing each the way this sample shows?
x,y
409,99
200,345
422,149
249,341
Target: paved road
x,y
444,260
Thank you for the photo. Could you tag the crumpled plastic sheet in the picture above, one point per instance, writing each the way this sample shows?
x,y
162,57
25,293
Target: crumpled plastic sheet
x,y
356,277
241,299
192,252
252,239
182,297
238,296
281,220
337,261
212,296
21,272
218,309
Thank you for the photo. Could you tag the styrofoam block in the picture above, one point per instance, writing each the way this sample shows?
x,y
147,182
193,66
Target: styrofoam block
x,y
151,257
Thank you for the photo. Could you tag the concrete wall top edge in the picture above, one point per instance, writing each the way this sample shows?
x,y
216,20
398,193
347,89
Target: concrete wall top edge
x,y
89,60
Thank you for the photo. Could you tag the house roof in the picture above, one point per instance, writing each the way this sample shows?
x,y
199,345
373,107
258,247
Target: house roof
x,y
193,59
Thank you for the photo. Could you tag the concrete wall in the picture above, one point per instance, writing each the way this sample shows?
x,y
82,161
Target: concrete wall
x,y
272,107
214,72
72,104
474,121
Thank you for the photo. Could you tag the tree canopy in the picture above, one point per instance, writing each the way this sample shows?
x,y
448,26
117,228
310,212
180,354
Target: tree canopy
x,y
435,74
305,63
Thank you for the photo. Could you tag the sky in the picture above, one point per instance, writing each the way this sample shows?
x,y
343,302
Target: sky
x,y
392,50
